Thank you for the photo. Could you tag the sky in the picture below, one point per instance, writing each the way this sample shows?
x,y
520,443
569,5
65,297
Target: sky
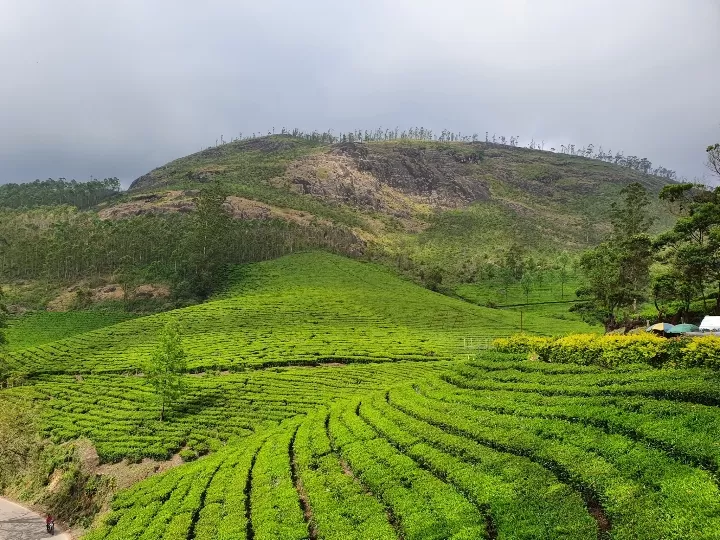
x,y
99,89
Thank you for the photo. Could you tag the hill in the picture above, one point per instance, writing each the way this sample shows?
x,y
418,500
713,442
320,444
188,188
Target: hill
x,y
447,214
431,201
302,309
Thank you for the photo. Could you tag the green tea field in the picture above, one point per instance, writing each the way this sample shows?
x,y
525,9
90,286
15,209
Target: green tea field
x,y
329,399
45,327
498,447
301,309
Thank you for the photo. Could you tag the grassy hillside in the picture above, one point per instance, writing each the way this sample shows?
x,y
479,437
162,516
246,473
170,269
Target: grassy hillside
x,y
429,208
301,309
39,328
388,428
436,202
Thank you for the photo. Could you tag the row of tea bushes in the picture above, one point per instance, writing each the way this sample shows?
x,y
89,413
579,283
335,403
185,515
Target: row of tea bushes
x,y
617,350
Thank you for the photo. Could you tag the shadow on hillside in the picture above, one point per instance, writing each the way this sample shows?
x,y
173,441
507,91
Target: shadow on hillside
x,y
194,404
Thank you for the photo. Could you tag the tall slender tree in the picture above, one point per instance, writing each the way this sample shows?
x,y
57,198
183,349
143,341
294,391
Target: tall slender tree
x,y
166,367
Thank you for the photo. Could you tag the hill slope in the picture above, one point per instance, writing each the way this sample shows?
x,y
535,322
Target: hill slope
x,y
431,200
300,309
449,210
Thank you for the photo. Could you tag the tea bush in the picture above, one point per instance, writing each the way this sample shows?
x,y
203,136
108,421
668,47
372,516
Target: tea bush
x,y
618,350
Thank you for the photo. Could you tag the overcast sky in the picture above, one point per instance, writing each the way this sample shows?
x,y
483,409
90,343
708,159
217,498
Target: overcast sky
x,y
116,88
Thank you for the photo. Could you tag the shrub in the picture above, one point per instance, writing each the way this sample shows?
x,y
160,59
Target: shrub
x,y
617,350
520,344
188,455
701,352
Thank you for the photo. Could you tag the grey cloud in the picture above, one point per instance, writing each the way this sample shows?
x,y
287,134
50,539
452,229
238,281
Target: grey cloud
x,y
114,89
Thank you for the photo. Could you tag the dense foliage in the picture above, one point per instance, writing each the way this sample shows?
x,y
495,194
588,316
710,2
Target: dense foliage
x,y
618,273
617,350
58,192
691,249
67,245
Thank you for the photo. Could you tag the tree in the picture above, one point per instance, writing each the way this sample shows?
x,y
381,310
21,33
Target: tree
x,y
207,246
630,216
713,158
563,261
3,318
617,272
527,283
19,442
692,247
432,278
164,371
672,291
617,275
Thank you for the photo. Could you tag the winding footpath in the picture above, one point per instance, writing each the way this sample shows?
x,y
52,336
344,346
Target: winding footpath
x,y
19,523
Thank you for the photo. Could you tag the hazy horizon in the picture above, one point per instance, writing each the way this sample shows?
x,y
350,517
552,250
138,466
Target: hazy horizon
x,y
109,90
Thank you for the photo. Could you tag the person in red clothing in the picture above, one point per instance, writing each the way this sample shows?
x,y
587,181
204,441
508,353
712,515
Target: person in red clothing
x,y
50,523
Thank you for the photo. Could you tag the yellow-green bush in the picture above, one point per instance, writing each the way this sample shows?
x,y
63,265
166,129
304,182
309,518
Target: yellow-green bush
x,y
701,352
617,350
609,351
520,343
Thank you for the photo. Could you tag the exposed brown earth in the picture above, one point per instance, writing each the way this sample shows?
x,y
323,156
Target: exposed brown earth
x,y
113,291
152,203
173,202
126,474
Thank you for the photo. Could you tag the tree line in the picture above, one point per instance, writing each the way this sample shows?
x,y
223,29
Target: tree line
x,y
188,250
640,164
52,192
672,270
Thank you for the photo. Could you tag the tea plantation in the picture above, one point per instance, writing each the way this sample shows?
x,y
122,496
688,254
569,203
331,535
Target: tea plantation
x,y
42,327
302,309
498,447
328,399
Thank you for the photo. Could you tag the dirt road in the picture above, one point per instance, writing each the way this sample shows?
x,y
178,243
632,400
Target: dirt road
x,y
19,523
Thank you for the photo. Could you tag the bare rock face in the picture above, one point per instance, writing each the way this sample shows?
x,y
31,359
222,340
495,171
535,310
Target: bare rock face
x,y
401,181
442,175
152,203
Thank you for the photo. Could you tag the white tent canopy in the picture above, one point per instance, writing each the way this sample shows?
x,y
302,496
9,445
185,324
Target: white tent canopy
x,y
709,324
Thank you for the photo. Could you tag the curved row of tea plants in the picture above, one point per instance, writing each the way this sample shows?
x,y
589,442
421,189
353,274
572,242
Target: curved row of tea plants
x,y
572,452
119,414
38,328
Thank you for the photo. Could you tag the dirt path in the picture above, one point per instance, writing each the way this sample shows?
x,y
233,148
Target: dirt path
x,y
19,523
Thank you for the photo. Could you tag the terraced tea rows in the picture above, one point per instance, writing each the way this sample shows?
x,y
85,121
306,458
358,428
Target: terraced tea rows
x,y
120,416
302,309
574,452
39,328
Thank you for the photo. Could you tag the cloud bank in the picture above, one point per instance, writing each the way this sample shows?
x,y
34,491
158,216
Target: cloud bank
x,y
115,89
